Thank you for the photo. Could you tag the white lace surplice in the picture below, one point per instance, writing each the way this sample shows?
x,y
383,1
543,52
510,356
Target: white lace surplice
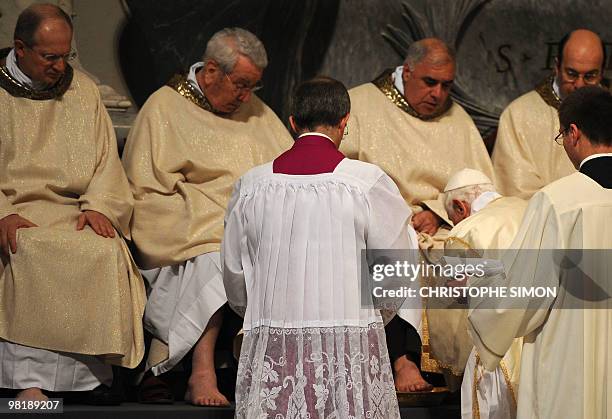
x,y
337,372
292,250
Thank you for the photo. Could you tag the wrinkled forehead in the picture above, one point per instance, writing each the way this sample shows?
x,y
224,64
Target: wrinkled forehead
x,y
246,69
443,70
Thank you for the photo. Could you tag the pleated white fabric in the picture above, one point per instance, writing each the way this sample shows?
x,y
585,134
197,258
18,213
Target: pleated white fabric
x,y
486,394
291,254
181,301
24,367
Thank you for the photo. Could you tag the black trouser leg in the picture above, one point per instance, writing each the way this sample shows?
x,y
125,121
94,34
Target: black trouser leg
x,y
403,339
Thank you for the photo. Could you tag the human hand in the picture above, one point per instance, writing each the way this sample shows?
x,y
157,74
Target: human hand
x,y
426,222
8,231
97,221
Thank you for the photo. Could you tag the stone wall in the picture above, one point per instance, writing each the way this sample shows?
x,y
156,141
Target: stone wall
x,y
504,46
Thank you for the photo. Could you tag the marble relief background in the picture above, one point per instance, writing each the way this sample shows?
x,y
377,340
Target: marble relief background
x,y
504,47
163,38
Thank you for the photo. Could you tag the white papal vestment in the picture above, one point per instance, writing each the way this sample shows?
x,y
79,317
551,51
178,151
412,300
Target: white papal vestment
x,y
487,232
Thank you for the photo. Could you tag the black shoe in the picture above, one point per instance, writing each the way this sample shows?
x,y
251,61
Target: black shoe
x,y
103,396
154,390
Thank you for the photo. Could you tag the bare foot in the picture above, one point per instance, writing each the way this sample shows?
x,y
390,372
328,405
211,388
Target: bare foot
x,y
33,393
408,377
202,391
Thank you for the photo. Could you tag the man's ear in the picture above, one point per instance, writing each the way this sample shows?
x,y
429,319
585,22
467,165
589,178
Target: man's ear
x,y
292,124
344,121
212,71
461,208
19,47
574,134
407,73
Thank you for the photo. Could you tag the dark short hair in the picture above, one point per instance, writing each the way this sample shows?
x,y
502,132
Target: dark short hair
x,y
321,101
590,109
30,19
561,47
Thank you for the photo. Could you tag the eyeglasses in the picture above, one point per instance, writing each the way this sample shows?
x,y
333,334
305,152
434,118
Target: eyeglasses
x,y
572,76
53,58
559,137
244,88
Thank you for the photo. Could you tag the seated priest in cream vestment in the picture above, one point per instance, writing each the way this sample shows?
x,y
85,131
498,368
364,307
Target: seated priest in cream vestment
x,y
563,243
71,299
525,157
406,123
190,142
485,224
295,231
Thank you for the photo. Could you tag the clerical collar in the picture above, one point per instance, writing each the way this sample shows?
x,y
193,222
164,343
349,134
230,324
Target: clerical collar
x,y
315,134
20,76
483,200
191,77
185,88
593,156
398,81
555,88
548,90
18,84
386,84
